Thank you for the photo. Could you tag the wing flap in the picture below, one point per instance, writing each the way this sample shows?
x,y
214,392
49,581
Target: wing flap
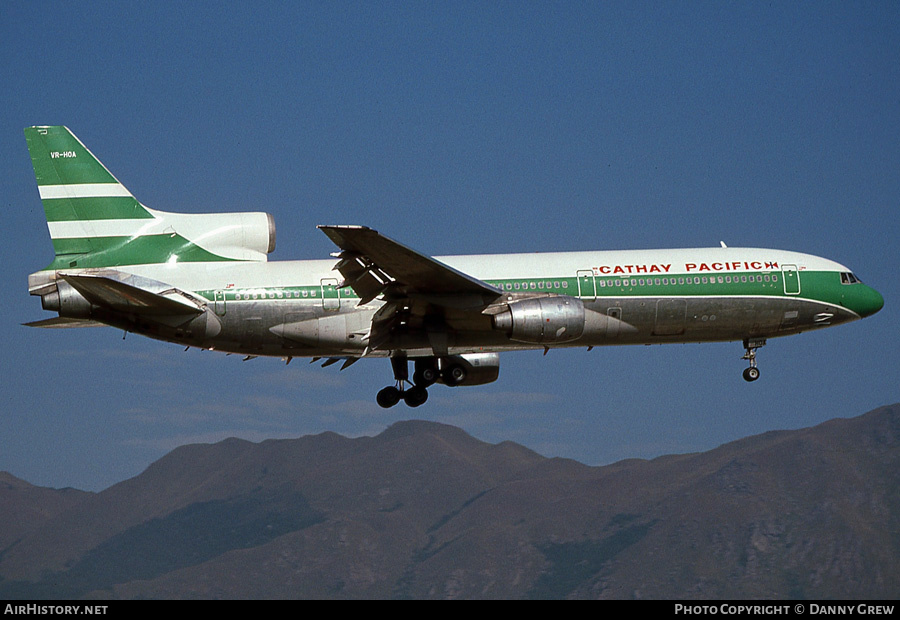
x,y
362,275
373,264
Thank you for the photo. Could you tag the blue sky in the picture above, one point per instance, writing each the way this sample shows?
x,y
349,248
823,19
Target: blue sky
x,y
457,128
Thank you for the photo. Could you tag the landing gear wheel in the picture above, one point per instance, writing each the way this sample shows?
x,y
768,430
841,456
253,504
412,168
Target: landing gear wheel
x,y
425,376
751,345
415,396
454,375
388,397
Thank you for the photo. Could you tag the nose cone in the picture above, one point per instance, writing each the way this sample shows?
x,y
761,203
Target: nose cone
x,y
864,300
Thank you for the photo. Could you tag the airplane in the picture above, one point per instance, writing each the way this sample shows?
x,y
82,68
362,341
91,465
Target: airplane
x,y
204,281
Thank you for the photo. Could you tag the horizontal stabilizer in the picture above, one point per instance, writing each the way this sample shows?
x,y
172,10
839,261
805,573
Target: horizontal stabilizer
x,y
62,322
115,295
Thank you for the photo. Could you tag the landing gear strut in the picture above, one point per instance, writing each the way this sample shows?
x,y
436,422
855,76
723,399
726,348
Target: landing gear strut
x,y
427,371
417,393
751,345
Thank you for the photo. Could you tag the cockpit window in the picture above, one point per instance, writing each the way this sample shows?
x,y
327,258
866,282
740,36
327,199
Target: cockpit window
x,y
849,278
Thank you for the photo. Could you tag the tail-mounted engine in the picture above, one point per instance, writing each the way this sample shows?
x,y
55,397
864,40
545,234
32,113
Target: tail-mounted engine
x,y
542,320
63,298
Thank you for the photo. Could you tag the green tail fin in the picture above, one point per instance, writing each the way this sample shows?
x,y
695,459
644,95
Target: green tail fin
x,y
94,220
76,189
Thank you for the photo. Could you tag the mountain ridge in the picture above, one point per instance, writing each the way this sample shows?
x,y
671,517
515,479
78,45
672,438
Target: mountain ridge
x,y
425,510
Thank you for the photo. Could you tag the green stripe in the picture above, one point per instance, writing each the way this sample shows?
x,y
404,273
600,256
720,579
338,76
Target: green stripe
x,y
122,251
677,285
815,285
109,208
819,286
60,159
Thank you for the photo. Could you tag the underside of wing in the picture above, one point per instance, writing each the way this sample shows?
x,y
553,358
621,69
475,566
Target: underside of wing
x,y
62,322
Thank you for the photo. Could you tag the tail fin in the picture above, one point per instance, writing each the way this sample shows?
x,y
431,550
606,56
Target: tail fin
x,y
77,191
94,220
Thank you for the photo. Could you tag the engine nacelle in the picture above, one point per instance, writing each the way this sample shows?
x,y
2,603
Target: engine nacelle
x,y
239,236
470,368
67,301
542,320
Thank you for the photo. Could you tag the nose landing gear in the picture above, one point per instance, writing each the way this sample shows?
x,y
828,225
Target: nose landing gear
x,y
751,345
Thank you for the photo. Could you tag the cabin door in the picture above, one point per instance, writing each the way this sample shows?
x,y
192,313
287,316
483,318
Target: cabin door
x,y
791,279
219,302
587,289
330,294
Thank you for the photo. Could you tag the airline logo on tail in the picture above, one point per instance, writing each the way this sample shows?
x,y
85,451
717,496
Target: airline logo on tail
x,y
94,221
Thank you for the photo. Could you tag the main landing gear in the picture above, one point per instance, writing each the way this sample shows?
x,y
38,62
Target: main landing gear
x,y
751,345
417,393
426,374
388,397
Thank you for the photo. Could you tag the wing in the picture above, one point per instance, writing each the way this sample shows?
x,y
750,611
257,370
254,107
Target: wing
x,y
373,265
122,297
62,322
423,296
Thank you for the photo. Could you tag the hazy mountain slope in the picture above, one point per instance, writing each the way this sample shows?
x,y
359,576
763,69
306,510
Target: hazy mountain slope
x,y
25,507
425,510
